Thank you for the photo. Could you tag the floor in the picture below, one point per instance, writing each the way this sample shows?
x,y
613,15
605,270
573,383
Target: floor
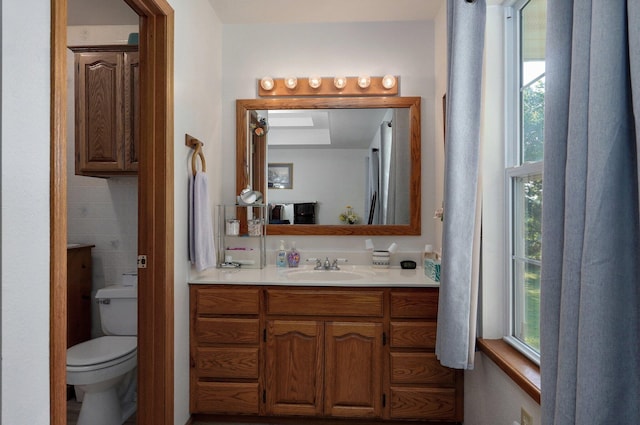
x,y
73,410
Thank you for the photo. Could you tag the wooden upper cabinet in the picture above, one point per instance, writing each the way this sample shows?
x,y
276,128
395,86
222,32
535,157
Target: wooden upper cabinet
x,y
107,110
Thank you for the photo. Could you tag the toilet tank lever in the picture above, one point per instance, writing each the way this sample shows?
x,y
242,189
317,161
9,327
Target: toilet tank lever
x,y
104,301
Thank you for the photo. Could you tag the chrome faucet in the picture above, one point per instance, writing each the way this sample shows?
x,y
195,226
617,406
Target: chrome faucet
x,y
327,265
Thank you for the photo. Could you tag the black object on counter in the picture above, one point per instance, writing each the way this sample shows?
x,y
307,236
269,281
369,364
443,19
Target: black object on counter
x,y
408,264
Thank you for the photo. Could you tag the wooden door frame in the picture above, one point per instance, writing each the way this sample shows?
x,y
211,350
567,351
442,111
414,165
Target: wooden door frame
x,y
155,214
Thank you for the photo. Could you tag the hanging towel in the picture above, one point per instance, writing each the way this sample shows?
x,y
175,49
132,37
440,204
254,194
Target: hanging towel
x,y
202,251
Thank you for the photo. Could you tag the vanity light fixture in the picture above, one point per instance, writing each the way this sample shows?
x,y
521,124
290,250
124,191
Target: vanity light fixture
x,y
364,81
338,85
388,81
267,83
340,82
315,81
291,82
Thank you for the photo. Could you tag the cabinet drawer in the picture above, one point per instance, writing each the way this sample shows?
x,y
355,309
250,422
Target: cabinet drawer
x,y
310,302
228,301
412,304
227,331
418,403
227,362
419,368
226,398
413,335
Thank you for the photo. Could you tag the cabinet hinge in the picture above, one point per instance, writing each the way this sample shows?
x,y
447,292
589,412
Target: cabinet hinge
x,y
264,396
384,338
384,400
142,261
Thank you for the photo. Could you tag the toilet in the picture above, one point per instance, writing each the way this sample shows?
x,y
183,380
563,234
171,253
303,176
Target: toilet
x,y
103,370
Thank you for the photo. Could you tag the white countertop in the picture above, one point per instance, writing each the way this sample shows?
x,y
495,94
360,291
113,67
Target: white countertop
x,y
348,275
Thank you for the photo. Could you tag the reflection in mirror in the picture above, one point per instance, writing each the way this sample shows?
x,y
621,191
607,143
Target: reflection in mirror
x,y
344,158
333,166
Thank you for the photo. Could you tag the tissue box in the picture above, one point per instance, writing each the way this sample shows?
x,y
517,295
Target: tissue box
x,y
432,269
130,279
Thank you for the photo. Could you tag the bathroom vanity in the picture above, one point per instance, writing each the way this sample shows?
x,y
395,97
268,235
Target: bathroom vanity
x,y
266,344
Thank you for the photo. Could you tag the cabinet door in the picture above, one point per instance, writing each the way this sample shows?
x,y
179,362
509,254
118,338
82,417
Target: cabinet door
x,y
294,366
353,377
99,103
131,110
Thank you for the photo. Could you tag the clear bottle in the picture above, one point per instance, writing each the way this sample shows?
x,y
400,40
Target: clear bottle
x,y
281,256
293,257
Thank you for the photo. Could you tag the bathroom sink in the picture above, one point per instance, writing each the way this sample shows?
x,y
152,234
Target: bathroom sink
x,y
327,275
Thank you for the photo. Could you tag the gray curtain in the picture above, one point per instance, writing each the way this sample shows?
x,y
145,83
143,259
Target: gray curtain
x,y
590,291
456,331
387,174
373,188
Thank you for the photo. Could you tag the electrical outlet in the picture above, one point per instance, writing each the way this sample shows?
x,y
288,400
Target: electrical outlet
x,y
525,417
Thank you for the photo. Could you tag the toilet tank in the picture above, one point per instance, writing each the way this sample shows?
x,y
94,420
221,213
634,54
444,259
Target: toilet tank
x,y
118,307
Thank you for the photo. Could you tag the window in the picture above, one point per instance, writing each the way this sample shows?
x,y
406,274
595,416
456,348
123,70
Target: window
x,y
526,68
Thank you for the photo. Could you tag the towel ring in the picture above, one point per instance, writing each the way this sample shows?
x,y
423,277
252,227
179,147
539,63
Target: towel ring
x,y
196,144
198,153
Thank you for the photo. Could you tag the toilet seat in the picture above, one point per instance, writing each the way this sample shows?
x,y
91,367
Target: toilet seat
x,y
102,352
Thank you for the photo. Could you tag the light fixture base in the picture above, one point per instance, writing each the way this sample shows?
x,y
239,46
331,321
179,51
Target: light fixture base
x,y
351,88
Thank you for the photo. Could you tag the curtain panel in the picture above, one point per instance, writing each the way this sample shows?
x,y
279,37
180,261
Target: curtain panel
x,y
590,291
456,333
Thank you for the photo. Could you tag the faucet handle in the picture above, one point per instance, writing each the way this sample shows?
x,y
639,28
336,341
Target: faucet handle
x,y
334,265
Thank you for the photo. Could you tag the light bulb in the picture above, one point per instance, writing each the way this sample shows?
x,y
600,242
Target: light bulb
x,y
291,82
267,83
388,81
340,82
314,82
364,81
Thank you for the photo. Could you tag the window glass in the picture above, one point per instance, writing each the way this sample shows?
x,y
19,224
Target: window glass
x,y
532,67
527,211
524,174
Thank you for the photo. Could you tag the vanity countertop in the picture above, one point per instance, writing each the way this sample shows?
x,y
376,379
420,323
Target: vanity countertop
x,y
348,275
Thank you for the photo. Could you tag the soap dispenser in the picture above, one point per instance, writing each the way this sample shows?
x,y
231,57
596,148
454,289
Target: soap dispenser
x,y
281,256
293,258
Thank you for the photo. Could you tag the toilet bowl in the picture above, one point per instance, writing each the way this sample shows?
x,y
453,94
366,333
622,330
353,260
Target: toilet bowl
x,y
103,370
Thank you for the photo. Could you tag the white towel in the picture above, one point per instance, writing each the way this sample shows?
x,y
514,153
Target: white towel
x,y
202,250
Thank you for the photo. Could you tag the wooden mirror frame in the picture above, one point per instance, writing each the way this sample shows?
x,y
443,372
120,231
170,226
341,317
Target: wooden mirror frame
x,y
243,106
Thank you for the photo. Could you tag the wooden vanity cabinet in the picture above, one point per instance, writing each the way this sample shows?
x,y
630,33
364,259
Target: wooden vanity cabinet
x,y
107,110
225,350
420,387
79,280
362,353
329,364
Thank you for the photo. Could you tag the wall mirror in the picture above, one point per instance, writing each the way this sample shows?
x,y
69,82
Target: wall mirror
x,y
320,160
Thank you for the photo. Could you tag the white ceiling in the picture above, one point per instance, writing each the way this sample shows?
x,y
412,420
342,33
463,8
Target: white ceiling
x,y
306,11
117,12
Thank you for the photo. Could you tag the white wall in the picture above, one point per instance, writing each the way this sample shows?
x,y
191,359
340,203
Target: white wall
x,y
253,51
24,320
197,80
100,211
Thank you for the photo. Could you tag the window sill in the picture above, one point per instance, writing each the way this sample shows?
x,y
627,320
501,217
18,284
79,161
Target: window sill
x,y
524,372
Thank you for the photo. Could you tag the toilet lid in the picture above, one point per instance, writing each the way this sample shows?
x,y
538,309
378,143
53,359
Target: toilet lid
x,y
100,350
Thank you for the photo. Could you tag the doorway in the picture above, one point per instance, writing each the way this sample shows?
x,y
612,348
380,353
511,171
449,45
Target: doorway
x,y
155,213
